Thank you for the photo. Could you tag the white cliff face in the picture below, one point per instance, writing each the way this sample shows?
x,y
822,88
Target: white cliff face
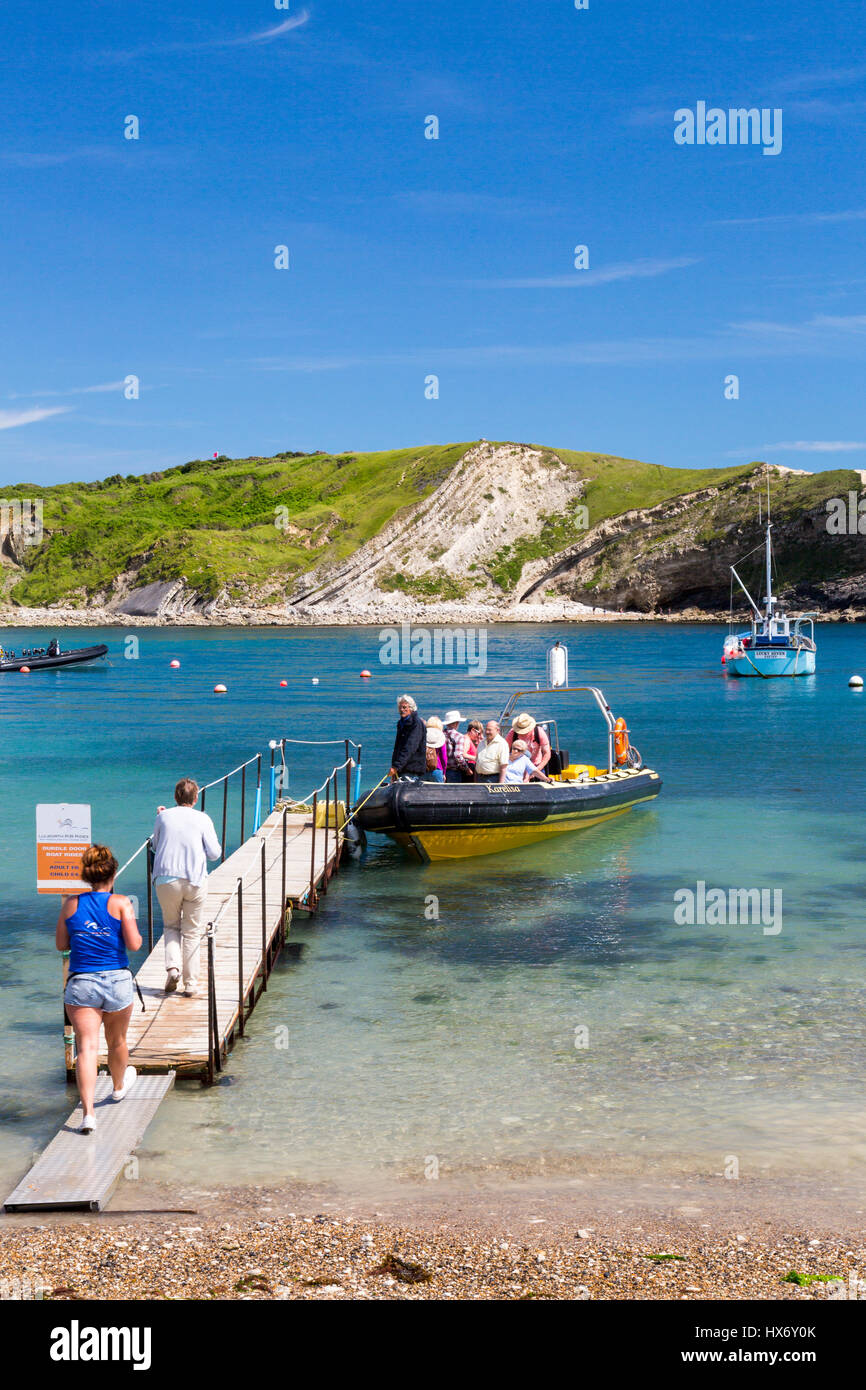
x,y
497,494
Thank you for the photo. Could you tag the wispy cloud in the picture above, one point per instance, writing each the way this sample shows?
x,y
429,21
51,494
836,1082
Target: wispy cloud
x,y
810,219
585,279
814,446
11,419
103,387
799,446
460,203
818,324
259,37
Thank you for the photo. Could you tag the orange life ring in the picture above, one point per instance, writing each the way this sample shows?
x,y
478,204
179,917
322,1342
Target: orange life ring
x,y
620,742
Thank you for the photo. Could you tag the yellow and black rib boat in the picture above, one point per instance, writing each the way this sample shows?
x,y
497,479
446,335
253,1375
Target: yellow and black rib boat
x,y
456,820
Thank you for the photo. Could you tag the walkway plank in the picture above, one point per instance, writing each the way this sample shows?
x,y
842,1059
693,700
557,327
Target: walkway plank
x,y
78,1171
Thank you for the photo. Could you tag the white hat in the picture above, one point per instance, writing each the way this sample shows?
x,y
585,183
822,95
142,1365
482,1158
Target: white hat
x,y
435,738
453,717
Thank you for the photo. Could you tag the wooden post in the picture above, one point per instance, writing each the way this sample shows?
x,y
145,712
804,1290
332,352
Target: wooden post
x,y
243,798
225,810
241,956
283,889
68,1030
215,1061
311,901
149,858
336,826
327,818
264,925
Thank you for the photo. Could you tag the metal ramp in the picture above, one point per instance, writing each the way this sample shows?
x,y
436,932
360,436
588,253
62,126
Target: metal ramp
x,y
77,1172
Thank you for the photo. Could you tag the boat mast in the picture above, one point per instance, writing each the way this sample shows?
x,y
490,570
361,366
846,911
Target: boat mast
x,y
769,600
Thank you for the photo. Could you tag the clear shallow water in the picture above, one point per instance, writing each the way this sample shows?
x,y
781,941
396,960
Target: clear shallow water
x,y
455,1038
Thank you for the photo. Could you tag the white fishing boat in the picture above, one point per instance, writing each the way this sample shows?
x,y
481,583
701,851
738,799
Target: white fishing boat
x,y
776,644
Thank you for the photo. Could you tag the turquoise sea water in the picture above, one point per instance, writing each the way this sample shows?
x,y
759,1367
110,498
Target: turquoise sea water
x,y
454,1039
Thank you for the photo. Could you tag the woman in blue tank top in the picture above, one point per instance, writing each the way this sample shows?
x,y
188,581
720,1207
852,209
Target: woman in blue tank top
x,y
97,929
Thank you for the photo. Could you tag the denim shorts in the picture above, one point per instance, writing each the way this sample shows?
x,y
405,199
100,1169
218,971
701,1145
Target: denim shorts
x,y
109,990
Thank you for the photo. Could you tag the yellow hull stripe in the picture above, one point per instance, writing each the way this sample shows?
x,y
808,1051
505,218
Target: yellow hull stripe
x,y
463,841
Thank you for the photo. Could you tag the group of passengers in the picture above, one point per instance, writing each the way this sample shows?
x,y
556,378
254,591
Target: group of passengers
x,y
436,750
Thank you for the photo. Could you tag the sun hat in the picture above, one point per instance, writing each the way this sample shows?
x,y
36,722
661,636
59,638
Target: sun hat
x,y
434,722
435,738
523,723
453,717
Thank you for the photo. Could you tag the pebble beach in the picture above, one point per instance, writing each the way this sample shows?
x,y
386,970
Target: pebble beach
x,y
486,1246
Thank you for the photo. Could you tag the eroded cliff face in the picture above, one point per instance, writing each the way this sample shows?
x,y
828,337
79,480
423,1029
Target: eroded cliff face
x,y
677,557
517,531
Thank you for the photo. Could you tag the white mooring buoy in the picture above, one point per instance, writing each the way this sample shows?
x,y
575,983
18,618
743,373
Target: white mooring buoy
x,y
856,682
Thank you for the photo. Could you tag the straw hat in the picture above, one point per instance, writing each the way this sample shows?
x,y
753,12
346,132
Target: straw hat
x,y
434,722
453,717
435,738
523,724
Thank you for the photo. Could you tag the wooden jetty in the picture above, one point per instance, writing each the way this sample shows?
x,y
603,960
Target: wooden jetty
x,y
284,865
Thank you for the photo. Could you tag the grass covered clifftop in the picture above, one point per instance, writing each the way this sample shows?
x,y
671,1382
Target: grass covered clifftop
x,y
216,523
508,523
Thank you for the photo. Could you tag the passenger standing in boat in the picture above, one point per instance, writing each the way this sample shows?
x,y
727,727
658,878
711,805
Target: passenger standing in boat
x,y
409,758
474,735
493,755
523,726
521,768
454,742
437,754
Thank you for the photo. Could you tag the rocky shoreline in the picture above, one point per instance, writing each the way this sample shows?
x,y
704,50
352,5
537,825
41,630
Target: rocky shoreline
x,y
372,615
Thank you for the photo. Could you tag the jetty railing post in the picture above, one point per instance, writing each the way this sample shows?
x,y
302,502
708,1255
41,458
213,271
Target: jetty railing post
x,y
336,826
312,898
243,798
225,811
271,789
150,895
358,776
214,1057
284,771
283,888
257,819
241,956
348,777
264,924
327,818
203,795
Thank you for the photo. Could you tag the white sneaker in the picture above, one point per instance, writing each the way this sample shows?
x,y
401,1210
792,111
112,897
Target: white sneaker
x,y
191,991
129,1077
88,1124
171,981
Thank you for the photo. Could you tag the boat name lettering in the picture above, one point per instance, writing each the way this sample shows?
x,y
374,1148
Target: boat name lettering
x,y
499,787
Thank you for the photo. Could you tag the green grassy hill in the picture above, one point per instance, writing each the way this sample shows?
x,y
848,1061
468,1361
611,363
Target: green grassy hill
x,y
251,527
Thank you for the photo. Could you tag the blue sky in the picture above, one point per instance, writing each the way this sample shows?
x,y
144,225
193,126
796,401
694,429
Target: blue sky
x,y
412,257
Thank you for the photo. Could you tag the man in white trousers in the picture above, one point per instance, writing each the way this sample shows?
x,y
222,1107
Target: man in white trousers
x,y
183,841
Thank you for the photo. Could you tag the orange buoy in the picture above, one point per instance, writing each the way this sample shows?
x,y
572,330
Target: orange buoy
x,y
284,682
174,664
220,690
25,670
620,742
365,675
